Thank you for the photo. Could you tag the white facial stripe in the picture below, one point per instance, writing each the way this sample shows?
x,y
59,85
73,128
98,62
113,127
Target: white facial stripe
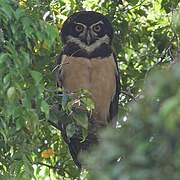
x,y
99,22
92,47
81,25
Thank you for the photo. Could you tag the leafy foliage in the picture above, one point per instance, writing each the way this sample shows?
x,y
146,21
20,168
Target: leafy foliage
x,y
27,47
146,146
146,35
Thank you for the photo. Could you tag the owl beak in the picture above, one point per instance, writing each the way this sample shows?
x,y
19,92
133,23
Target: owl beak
x,y
88,37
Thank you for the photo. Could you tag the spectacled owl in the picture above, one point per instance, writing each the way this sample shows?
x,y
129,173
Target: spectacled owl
x,y
88,62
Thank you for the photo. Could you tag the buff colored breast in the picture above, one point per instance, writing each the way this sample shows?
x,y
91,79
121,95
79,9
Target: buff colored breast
x,y
97,75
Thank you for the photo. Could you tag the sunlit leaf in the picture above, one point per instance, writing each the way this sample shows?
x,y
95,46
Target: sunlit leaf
x,y
11,93
47,153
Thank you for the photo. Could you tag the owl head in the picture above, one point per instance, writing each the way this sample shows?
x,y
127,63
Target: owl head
x,y
87,29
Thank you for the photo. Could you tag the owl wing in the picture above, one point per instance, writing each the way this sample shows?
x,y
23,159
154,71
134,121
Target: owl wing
x,y
58,70
73,143
113,111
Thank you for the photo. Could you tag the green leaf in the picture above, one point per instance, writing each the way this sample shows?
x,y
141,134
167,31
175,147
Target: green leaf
x,y
176,21
88,103
133,2
5,138
3,58
84,134
33,120
70,130
56,115
19,13
20,123
81,119
65,99
11,93
37,76
45,108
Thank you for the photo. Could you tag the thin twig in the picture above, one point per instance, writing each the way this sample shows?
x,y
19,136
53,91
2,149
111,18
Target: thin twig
x,y
170,54
129,94
47,165
138,5
166,50
53,124
59,66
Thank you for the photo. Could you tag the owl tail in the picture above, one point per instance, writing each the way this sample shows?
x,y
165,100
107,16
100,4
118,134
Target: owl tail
x,y
75,148
75,144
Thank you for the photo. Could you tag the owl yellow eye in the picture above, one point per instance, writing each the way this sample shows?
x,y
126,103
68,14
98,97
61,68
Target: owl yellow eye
x,y
97,28
79,28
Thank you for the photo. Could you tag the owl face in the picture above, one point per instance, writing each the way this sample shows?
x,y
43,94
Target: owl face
x,y
87,29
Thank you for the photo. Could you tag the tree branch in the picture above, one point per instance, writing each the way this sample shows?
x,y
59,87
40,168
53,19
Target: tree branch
x,y
53,124
166,50
47,165
129,94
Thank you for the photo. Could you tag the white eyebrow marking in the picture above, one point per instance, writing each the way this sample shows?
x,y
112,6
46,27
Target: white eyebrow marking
x,y
99,22
81,24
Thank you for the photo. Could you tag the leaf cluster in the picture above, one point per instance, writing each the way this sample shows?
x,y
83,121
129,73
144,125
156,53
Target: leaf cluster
x,y
146,35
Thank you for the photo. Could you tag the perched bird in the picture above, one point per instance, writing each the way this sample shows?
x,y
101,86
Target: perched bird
x,y
87,62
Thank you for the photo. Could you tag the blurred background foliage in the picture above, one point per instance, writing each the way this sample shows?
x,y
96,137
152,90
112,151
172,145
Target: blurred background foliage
x,y
146,143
